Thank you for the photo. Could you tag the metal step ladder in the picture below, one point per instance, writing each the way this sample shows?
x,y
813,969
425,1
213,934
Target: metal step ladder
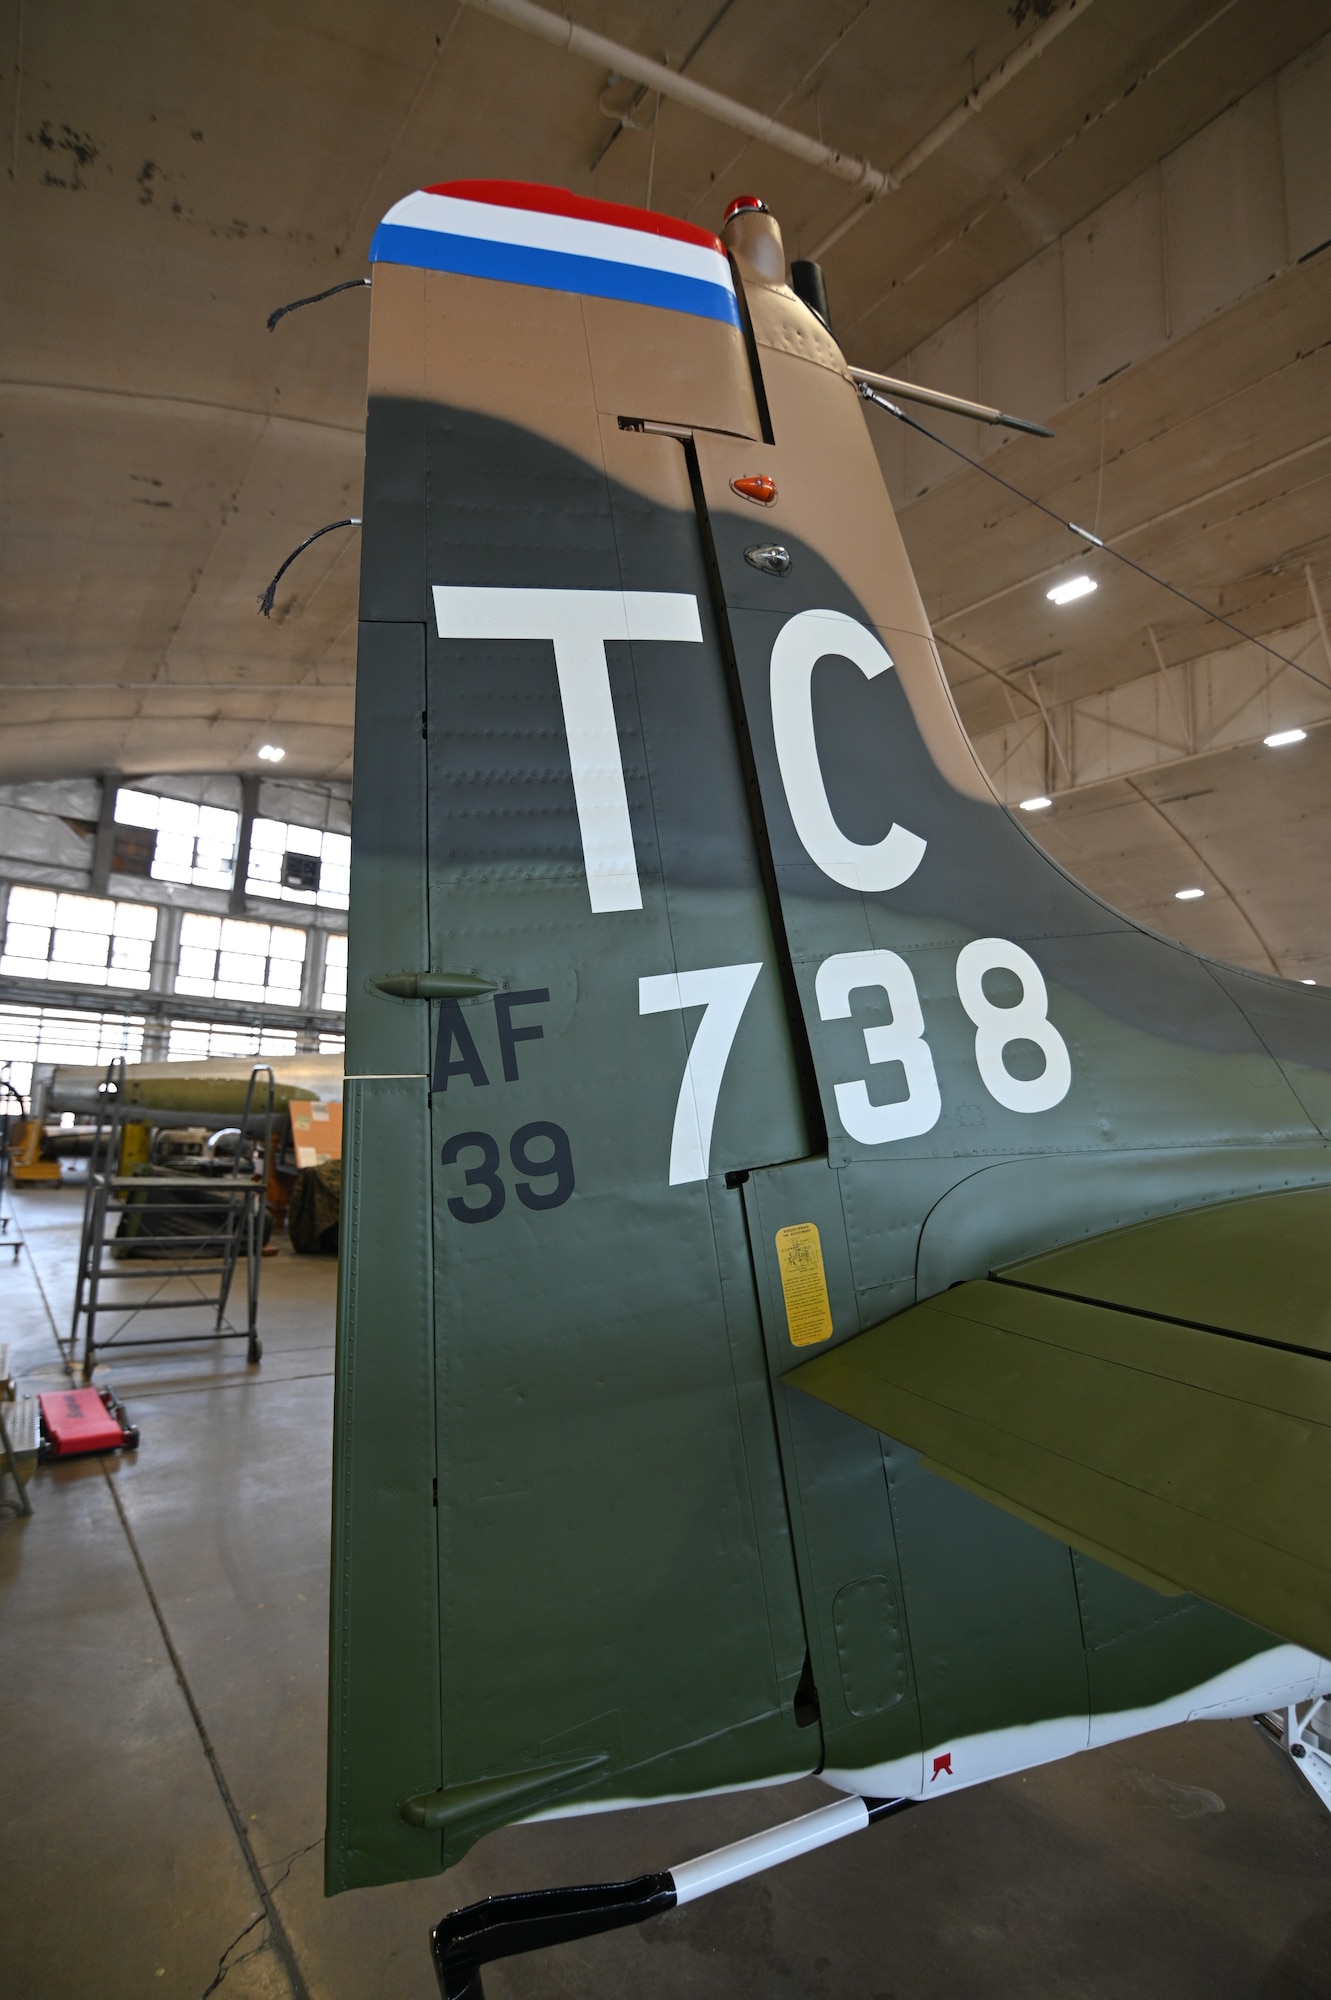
x,y
143,1228
19,1437
12,1112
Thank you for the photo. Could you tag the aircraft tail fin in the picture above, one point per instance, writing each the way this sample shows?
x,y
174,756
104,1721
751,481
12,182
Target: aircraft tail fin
x,y
675,883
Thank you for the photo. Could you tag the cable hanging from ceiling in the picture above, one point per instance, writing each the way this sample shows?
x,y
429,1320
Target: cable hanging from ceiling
x,y
871,395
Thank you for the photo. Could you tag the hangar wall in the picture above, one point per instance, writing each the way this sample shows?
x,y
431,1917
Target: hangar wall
x,y
1146,268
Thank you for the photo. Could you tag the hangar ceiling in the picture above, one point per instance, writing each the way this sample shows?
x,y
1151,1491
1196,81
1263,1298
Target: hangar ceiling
x,y
1127,241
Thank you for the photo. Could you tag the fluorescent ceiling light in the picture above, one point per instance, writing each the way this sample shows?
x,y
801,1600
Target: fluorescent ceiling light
x,y
270,753
1284,736
1035,805
1187,895
1075,587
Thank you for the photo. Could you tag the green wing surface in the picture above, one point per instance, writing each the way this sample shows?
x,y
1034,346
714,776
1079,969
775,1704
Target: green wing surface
x,y
1159,1397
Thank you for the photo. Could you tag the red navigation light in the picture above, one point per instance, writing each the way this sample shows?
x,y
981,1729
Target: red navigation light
x,y
755,486
741,203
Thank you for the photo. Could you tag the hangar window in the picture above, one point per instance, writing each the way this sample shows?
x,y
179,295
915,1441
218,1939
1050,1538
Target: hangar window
x,y
77,940
31,1035
299,864
223,958
173,840
188,1040
335,974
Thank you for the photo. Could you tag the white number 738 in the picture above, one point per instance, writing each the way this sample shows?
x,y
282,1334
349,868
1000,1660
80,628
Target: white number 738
x,y
722,991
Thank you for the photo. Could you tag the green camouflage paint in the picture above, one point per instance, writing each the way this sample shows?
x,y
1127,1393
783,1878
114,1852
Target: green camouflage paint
x,y
586,1534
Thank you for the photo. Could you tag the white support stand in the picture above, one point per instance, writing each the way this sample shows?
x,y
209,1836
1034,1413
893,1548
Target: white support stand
x,y
502,1925
743,1858
1304,1734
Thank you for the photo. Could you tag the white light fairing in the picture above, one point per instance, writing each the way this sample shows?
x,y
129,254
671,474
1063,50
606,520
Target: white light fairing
x,y
1276,1679
803,641
1282,1678
578,624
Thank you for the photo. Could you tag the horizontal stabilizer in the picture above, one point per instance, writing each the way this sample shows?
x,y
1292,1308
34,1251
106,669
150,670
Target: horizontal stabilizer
x,y
1159,1397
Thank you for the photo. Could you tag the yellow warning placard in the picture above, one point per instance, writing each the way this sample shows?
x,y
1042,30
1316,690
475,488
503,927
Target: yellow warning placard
x,y
799,1252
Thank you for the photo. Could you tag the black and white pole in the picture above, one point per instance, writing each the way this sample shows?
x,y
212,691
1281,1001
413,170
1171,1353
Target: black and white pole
x,y
501,1926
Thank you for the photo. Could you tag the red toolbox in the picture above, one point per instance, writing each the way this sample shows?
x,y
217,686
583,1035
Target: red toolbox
x,y
80,1420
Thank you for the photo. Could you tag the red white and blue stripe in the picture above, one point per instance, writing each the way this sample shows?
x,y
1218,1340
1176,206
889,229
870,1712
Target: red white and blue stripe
x,y
547,237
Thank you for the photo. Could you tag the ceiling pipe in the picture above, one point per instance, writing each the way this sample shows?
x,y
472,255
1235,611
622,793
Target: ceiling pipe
x,y
975,101
562,33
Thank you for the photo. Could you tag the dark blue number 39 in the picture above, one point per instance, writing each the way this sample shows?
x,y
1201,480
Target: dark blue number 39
x,y
556,1166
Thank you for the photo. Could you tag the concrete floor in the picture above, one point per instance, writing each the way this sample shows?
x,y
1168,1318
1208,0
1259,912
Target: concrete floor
x,y
162,1661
